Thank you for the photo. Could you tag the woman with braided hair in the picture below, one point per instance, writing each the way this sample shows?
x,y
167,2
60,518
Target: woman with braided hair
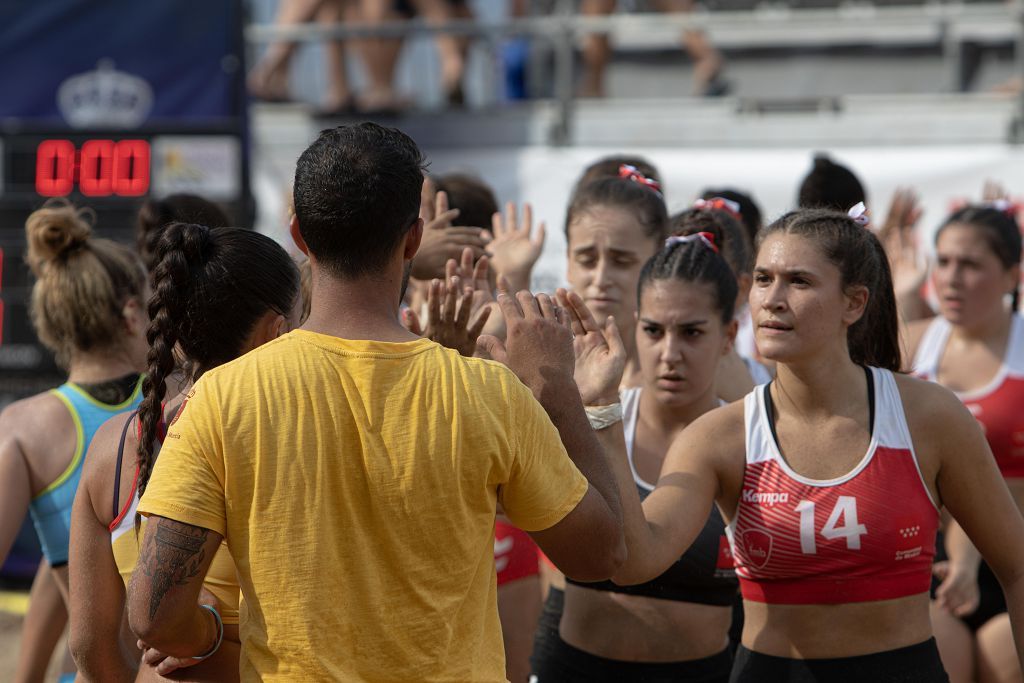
x,y
738,374
217,294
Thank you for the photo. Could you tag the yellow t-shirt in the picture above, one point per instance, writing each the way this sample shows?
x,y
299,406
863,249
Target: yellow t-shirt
x,y
356,485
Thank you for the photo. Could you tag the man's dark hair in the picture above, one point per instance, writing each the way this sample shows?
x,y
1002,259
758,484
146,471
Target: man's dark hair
x,y
471,196
357,192
829,185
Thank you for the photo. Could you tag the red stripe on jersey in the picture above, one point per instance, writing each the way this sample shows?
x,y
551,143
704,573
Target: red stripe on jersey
x,y
868,537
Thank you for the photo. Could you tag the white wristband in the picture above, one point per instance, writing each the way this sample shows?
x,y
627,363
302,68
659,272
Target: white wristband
x,y
602,417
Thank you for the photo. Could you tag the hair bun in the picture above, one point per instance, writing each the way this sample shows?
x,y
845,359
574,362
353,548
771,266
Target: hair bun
x,y
56,230
822,161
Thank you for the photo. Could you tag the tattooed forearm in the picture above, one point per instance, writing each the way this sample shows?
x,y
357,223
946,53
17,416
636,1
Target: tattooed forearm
x,y
170,557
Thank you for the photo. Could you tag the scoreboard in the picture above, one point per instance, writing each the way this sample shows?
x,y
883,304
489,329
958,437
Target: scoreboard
x,y
109,104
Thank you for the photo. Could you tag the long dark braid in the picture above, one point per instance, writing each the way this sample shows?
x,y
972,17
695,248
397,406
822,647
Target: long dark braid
x,y
181,248
210,287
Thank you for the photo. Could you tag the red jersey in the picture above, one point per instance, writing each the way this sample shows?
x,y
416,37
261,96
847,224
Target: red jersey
x,y
516,556
996,406
867,535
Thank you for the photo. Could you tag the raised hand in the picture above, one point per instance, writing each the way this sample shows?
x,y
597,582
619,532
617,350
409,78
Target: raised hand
x,y
449,311
538,345
441,241
473,273
515,246
909,267
599,351
993,190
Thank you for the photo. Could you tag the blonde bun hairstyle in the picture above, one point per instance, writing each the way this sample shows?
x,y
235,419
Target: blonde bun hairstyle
x,y
82,281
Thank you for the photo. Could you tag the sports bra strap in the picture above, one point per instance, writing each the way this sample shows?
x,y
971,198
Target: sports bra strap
x,y
769,406
120,458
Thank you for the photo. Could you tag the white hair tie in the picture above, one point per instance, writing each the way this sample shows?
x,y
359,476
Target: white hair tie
x,y
859,213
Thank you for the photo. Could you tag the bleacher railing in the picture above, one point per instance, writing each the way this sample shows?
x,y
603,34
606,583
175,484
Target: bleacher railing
x,y
767,23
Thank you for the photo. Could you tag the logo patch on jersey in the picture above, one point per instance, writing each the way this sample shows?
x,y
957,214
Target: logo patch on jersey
x,y
909,544
757,546
767,498
909,529
181,409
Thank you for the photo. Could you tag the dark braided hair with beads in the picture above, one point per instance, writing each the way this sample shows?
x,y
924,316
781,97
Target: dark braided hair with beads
x,y
210,287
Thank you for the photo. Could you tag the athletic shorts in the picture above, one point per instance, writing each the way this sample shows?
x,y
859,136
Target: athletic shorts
x,y
564,663
915,664
515,553
991,601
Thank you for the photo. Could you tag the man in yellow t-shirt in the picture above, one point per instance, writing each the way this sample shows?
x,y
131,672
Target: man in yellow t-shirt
x,y
354,469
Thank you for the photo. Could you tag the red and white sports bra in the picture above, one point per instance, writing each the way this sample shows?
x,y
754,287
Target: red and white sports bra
x,y
867,535
998,405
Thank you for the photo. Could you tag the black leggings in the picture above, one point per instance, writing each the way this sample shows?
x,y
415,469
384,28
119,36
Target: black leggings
x,y
915,664
555,660
563,663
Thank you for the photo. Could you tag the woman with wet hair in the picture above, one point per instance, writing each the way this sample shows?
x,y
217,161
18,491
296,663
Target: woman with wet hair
x,y
88,307
217,294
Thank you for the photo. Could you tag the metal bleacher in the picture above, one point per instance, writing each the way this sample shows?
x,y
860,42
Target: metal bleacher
x,y
806,71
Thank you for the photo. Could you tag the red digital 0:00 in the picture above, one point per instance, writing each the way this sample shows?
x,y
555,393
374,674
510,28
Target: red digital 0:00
x,y
102,168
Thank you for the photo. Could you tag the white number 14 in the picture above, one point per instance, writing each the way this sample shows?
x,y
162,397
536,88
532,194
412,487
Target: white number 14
x,y
846,507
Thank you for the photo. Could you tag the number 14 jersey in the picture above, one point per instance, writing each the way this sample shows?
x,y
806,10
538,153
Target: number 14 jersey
x,y
867,535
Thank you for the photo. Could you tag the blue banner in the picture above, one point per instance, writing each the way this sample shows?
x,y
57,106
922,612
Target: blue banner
x,y
120,63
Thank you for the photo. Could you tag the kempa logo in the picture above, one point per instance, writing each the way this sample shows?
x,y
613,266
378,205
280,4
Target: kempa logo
x,y
768,498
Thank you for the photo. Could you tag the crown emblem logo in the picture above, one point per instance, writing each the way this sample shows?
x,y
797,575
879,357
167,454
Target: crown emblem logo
x,y
105,98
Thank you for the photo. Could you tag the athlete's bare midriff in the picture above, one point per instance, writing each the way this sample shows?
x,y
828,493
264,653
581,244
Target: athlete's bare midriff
x,y
829,631
636,628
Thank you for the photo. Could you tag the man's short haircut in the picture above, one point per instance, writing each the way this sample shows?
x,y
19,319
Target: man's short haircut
x,y
357,192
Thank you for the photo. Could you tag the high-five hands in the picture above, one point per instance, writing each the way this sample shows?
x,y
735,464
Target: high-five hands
x,y
441,241
453,304
538,344
515,246
599,351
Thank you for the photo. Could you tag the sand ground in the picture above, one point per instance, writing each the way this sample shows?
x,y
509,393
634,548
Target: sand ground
x,y
10,641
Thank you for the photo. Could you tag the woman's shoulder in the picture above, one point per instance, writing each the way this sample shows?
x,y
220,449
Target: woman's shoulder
x,y
41,411
930,407
100,466
40,427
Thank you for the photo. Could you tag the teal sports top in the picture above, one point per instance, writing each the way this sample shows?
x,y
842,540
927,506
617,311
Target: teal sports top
x,y
51,509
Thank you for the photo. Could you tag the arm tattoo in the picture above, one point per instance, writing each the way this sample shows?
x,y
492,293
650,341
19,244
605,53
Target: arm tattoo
x,y
171,557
